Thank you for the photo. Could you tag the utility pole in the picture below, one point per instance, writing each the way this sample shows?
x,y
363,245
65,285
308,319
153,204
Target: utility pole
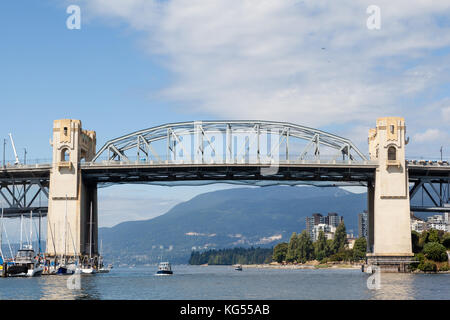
x,y
4,150
441,153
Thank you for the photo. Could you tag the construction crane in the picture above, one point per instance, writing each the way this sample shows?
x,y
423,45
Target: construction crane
x,y
15,152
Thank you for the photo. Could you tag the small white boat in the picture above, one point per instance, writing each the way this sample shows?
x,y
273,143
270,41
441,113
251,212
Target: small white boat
x,y
164,268
104,269
87,270
238,267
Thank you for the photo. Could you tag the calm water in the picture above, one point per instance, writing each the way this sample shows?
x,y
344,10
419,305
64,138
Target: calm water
x,y
223,282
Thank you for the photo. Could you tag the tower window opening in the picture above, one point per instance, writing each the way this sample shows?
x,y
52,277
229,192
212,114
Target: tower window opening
x,y
65,155
392,153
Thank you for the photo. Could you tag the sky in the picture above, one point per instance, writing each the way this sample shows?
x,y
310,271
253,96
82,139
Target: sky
x,y
139,63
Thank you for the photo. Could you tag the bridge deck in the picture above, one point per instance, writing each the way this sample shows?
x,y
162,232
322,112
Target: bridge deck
x,y
110,171
325,173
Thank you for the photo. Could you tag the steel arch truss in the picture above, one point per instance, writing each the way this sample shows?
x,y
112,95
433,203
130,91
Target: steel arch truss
x,y
24,196
229,142
430,195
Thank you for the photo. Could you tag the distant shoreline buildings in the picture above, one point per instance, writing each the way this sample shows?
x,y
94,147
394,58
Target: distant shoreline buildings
x,y
328,224
437,221
363,224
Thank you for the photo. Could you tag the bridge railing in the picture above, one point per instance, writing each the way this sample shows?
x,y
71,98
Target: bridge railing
x,y
30,163
236,161
45,163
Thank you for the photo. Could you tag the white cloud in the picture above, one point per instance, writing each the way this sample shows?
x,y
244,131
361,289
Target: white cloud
x,y
446,114
428,135
310,62
270,239
196,234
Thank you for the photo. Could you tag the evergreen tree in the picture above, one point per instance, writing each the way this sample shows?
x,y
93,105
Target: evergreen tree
x,y
292,248
415,242
340,238
279,252
321,250
305,248
360,249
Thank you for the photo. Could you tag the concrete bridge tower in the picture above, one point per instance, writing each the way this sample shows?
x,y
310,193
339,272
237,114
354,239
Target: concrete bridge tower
x,y
388,198
72,203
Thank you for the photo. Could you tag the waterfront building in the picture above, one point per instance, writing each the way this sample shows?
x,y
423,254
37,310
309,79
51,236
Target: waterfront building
x,y
351,242
417,224
333,219
437,222
312,221
327,229
363,224
328,224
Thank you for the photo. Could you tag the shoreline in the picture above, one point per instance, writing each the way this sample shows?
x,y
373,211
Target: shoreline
x,y
303,266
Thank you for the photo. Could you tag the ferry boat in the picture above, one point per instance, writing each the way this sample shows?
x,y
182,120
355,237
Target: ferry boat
x,y
164,268
26,265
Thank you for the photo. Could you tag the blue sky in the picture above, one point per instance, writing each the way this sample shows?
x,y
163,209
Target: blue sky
x,y
140,63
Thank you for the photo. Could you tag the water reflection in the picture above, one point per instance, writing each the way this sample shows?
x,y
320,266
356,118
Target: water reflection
x,y
196,282
396,286
55,288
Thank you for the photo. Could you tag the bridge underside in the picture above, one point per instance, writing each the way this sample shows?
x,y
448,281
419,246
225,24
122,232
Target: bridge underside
x,y
239,174
430,191
23,190
26,189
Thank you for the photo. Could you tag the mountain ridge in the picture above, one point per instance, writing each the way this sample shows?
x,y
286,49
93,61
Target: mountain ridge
x,y
244,217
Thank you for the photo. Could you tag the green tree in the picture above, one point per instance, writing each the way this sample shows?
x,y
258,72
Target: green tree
x,y
446,240
433,236
279,252
415,241
321,250
360,249
427,266
292,248
435,251
340,238
305,248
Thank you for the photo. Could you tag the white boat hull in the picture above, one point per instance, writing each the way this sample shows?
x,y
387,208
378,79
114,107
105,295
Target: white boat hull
x,y
35,272
87,270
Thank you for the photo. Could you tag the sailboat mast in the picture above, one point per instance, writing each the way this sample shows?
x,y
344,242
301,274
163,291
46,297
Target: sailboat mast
x,y
39,234
1,237
90,233
21,227
31,229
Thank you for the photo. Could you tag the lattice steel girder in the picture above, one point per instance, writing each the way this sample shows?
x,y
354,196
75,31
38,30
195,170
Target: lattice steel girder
x,y
201,133
435,190
21,195
151,173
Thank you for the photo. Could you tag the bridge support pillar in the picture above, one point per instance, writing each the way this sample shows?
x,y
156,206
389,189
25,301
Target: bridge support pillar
x,y
72,205
389,207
